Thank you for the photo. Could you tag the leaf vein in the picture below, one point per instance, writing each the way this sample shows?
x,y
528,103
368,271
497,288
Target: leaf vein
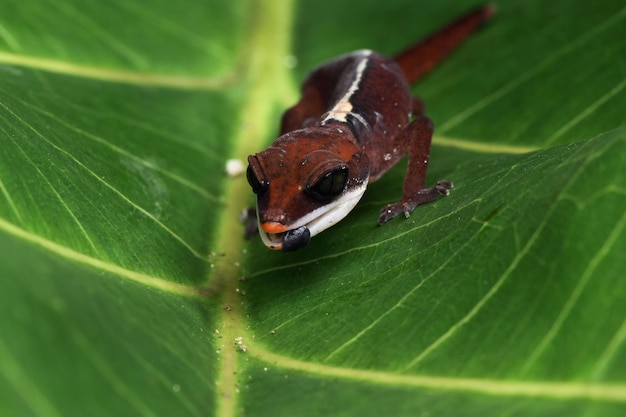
x,y
532,72
6,194
110,187
114,75
190,144
115,382
510,388
406,296
183,181
609,353
107,38
67,253
24,385
9,39
586,112
58,196
576,294
521,253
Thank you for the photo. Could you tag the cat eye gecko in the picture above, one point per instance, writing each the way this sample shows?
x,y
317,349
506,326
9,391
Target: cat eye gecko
x,y
356,118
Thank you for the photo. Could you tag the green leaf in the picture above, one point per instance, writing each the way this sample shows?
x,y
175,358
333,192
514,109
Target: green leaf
x,y
126,287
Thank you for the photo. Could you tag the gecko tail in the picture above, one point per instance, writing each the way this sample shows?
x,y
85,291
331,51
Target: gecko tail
x,y
419,59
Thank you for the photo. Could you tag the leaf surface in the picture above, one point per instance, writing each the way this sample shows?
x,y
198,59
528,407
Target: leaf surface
x,y
126,287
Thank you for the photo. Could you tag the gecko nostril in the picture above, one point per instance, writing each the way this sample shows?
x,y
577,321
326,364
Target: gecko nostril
x,y
273,215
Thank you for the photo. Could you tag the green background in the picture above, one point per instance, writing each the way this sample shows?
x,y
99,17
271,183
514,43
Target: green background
x,y
126,287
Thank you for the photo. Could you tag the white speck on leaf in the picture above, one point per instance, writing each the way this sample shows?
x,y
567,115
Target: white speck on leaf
x,y
234,167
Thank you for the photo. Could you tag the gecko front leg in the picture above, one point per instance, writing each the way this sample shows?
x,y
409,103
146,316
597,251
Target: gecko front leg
x,y
415,139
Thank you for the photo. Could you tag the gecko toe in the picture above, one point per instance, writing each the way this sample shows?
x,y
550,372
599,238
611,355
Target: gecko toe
x,y
443,187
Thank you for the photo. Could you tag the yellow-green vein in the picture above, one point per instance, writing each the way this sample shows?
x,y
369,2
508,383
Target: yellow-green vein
x,y
24,385
115,75
511,388
532,72
98,178
72,255
600,255
267,79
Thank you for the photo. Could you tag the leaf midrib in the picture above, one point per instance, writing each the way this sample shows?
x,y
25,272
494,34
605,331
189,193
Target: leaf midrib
x,y
263,57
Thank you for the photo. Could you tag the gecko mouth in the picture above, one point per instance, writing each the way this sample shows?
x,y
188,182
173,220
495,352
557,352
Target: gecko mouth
x,y
287,241
298,236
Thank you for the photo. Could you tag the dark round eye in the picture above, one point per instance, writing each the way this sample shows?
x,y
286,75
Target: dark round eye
x,y
330,184
258,187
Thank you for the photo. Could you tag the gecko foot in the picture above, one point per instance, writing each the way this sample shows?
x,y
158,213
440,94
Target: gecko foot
x,y
425,195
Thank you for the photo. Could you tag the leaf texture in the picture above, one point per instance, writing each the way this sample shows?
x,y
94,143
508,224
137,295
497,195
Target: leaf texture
x,y
126,287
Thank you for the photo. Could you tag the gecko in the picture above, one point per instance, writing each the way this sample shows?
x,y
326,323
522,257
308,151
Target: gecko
x,y
356,119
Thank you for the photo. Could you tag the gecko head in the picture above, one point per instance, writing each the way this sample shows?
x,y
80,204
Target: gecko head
x,y
305,182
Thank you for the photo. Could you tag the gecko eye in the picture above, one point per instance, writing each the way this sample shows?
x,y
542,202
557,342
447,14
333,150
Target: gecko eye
x,y
329,184
258,187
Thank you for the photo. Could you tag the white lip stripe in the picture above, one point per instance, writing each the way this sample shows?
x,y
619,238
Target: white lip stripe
x,y
337,213
325,216
320,219
344,107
